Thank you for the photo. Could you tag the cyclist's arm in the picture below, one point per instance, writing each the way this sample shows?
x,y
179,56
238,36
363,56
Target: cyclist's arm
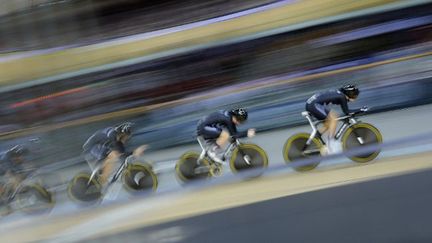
x,y
91,141
119,147
344,106
233,130
113,143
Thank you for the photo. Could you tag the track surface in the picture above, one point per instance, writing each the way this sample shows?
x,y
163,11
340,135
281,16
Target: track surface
x,y
395,209
118,218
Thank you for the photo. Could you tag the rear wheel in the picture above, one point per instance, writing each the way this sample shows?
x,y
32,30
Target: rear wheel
x,y
295,149
81,189
140,177
188,169
362,134
247,157
34,198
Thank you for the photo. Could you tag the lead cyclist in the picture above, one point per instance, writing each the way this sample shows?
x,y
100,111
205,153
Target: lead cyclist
x,y
318,107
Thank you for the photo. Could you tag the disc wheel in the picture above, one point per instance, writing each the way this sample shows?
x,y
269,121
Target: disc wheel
x,y
81,190
295,149
140,177
362,134
34,198
249,156
187,166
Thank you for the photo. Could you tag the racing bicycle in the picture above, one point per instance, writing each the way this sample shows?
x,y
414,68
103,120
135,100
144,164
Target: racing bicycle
x,y
30,196
136,176
352,133
240,156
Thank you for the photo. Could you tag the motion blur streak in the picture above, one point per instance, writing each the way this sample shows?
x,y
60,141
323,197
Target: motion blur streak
x,y
140,110
50,96
67,60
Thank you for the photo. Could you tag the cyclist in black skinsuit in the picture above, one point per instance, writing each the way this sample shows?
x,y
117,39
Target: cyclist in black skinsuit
x,y
317,105
107,146
217,128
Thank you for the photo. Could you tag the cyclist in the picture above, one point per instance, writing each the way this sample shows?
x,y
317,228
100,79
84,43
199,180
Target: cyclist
x,y
317,106
217,128
11,169
107,146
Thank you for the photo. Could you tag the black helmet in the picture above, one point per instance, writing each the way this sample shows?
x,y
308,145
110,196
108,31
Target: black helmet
x,y
124,128
241,114
19,150
350,90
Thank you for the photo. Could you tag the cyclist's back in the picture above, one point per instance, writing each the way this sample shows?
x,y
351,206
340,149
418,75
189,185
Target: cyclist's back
x,y
9,161
101,143
211,126
321,99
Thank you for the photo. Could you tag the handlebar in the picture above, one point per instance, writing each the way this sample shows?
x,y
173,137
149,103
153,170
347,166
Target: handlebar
x,y
353,114
362,110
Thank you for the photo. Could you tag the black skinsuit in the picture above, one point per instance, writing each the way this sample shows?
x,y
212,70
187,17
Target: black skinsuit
x,y
317,104
101,143
211,126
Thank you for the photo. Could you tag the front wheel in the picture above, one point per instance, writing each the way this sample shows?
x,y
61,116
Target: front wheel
x,y
362,134
140,177
188,168
82,189
34,198
248,156
295,149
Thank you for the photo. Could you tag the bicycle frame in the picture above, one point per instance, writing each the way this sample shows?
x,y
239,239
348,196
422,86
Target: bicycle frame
x,y
226,154
116,174
348,121
21,184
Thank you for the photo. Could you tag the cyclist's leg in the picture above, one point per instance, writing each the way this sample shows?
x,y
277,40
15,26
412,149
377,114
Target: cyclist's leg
x,y
318,111
97,160
108,165
321,113
215,138
9,186
13,179
331,122
223,138
3,189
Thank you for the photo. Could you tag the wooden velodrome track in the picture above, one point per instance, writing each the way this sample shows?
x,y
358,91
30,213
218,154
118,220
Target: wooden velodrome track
x,y
146,212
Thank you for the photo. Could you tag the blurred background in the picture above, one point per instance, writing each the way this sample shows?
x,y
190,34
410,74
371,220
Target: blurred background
x,y
386,52
71,67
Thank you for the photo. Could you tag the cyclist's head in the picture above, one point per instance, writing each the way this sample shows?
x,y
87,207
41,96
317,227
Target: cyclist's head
x,y
350,90
240,114
124,129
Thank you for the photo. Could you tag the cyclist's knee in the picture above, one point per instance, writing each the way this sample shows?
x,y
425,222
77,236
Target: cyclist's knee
x,y
224,135
332,118
113,155
332,115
